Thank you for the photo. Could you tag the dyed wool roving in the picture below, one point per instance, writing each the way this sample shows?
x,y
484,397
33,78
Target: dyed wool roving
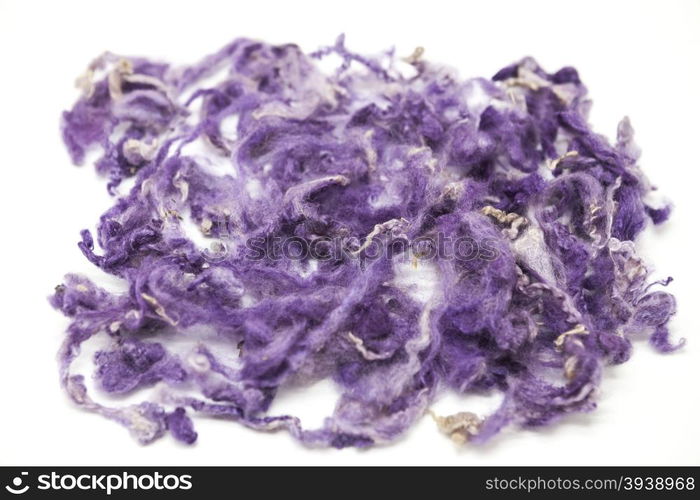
x,y
386,225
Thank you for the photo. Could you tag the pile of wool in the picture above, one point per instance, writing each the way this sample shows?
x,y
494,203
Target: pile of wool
x,y
278,222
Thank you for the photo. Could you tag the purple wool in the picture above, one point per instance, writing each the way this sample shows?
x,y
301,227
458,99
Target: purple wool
x,y
293,245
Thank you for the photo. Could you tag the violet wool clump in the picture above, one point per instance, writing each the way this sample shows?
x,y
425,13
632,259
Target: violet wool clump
x,y
383,224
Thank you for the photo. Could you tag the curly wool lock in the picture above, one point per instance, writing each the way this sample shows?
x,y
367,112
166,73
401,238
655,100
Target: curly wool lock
x,y
371,153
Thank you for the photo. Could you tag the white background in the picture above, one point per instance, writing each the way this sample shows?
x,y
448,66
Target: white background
x,y
640,59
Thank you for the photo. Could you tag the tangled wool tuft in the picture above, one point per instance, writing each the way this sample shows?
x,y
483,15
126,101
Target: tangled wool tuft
x,y
386,225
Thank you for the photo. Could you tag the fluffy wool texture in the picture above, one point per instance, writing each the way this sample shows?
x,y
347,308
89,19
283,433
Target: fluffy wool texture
x,y
378,151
